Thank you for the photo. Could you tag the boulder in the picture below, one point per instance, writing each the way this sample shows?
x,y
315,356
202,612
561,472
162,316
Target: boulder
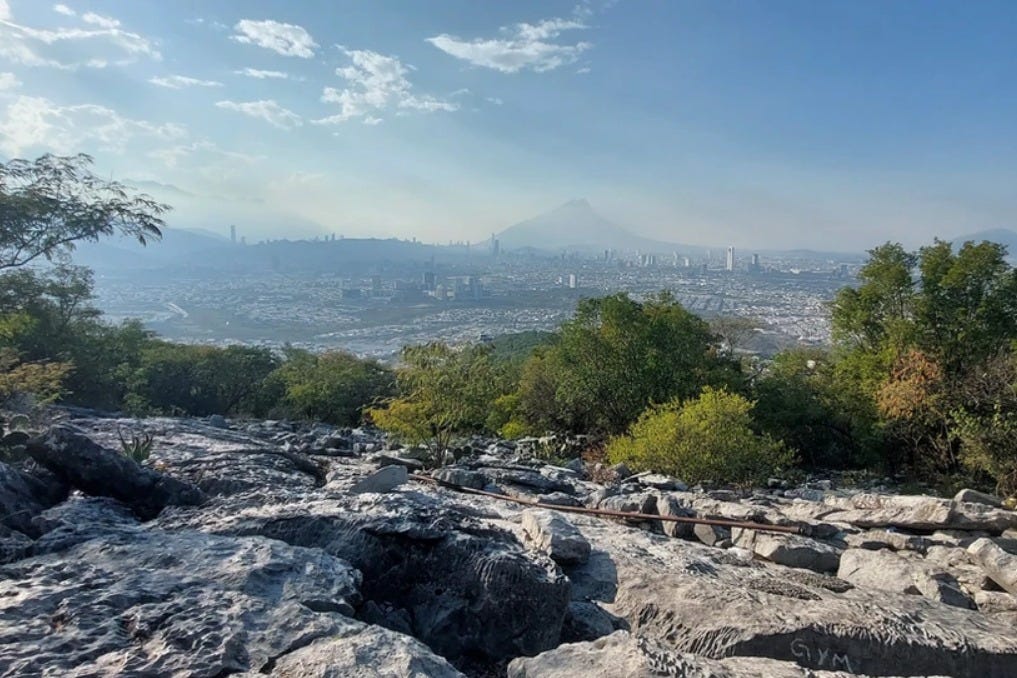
x,y
997,563
995,601
586,621
712,535
874,540
362,651
551,533
461,478
384,479
380,459
976,497
676,506
789,549
80,462
886,571
157,604
922,512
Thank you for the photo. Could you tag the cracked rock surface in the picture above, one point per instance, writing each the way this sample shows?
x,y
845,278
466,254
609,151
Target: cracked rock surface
x,y
274,548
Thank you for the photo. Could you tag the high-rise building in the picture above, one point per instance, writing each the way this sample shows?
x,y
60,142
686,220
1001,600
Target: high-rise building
x,y
233,234
755,263
496,247
730,259
428,280
573,281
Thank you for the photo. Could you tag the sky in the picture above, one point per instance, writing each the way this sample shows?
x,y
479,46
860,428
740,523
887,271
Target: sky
x,y
762,124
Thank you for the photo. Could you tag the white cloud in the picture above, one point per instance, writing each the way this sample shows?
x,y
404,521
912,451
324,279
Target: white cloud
x,y
100,21
32,46
268,110
181,81
286,39
521,47
38,123
376,83
262,75
172,155
9,81
495,100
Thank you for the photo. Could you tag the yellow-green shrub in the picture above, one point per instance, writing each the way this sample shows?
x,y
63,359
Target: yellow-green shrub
x,y
709,438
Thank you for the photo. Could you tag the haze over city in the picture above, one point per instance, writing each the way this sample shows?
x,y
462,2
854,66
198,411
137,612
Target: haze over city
x,y
832,126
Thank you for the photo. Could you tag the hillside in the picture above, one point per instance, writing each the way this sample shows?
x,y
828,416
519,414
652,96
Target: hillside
x,y
281,549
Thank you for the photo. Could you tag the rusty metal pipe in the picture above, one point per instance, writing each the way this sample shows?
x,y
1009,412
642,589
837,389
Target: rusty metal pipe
x,y
787,529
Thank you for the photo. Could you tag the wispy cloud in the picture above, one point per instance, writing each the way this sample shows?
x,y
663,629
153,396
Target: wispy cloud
x,y
286,39
9,81
376,83
172,155
262,75
181,81
38,123
267,109
519,47
98,42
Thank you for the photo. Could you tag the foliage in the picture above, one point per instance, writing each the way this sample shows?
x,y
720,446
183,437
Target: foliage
x,y
706,439
442,392
803,400
336,387
138,447
48,204
616,357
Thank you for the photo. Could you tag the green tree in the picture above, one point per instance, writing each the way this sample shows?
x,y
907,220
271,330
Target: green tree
x,y
616,357
706,439
49,204
443,392
337,387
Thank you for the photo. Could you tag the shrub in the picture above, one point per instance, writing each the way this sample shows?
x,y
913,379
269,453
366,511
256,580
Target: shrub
x,y
709,438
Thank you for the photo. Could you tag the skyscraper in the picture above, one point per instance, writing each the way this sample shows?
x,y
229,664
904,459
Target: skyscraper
x,y
233,234
730,259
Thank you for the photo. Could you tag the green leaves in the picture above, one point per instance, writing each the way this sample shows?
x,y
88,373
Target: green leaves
x,y
48,204
705,439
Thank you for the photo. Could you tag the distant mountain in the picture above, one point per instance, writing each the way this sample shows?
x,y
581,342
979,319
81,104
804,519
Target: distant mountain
x,y
1002,236
177,246
576,226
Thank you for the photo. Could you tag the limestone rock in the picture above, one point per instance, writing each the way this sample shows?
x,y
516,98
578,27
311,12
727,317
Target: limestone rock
x,y
883,570
789,549
621,655
874,540
384,479
551,533
169,604
922,513
976,497
78,461
996,562
461,478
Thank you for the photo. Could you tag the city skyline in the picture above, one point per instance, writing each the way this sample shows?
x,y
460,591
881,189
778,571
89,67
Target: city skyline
x,y
834,126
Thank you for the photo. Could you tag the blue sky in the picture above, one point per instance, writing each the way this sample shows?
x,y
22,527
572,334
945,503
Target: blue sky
x,y
834,125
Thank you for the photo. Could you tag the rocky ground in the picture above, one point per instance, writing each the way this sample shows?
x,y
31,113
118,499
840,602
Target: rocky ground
x,y
268,548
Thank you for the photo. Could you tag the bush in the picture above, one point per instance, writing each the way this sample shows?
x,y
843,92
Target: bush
x,y
707,439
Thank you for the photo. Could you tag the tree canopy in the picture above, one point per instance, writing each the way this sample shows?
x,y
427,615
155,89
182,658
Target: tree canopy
x,y
49,204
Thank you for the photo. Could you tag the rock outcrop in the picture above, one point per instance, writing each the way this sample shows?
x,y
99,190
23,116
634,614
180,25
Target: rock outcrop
x,y
270,548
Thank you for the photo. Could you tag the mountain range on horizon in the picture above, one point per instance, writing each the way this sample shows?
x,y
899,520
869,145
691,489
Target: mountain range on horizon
x,y
574,226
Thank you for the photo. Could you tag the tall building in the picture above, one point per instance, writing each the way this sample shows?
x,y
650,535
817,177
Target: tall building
x,y
573,281
755,263
496,247
730,259
233,234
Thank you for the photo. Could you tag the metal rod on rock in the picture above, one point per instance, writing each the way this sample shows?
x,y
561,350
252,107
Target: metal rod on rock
x,y
788,529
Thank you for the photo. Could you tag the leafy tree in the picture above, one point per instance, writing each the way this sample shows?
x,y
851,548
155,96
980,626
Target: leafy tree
x,y
443,392
803,400
706,439
337,387
966,310
616,357
49,204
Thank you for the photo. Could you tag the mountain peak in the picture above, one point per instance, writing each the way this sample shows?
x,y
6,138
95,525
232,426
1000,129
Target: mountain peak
x,y
578,204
